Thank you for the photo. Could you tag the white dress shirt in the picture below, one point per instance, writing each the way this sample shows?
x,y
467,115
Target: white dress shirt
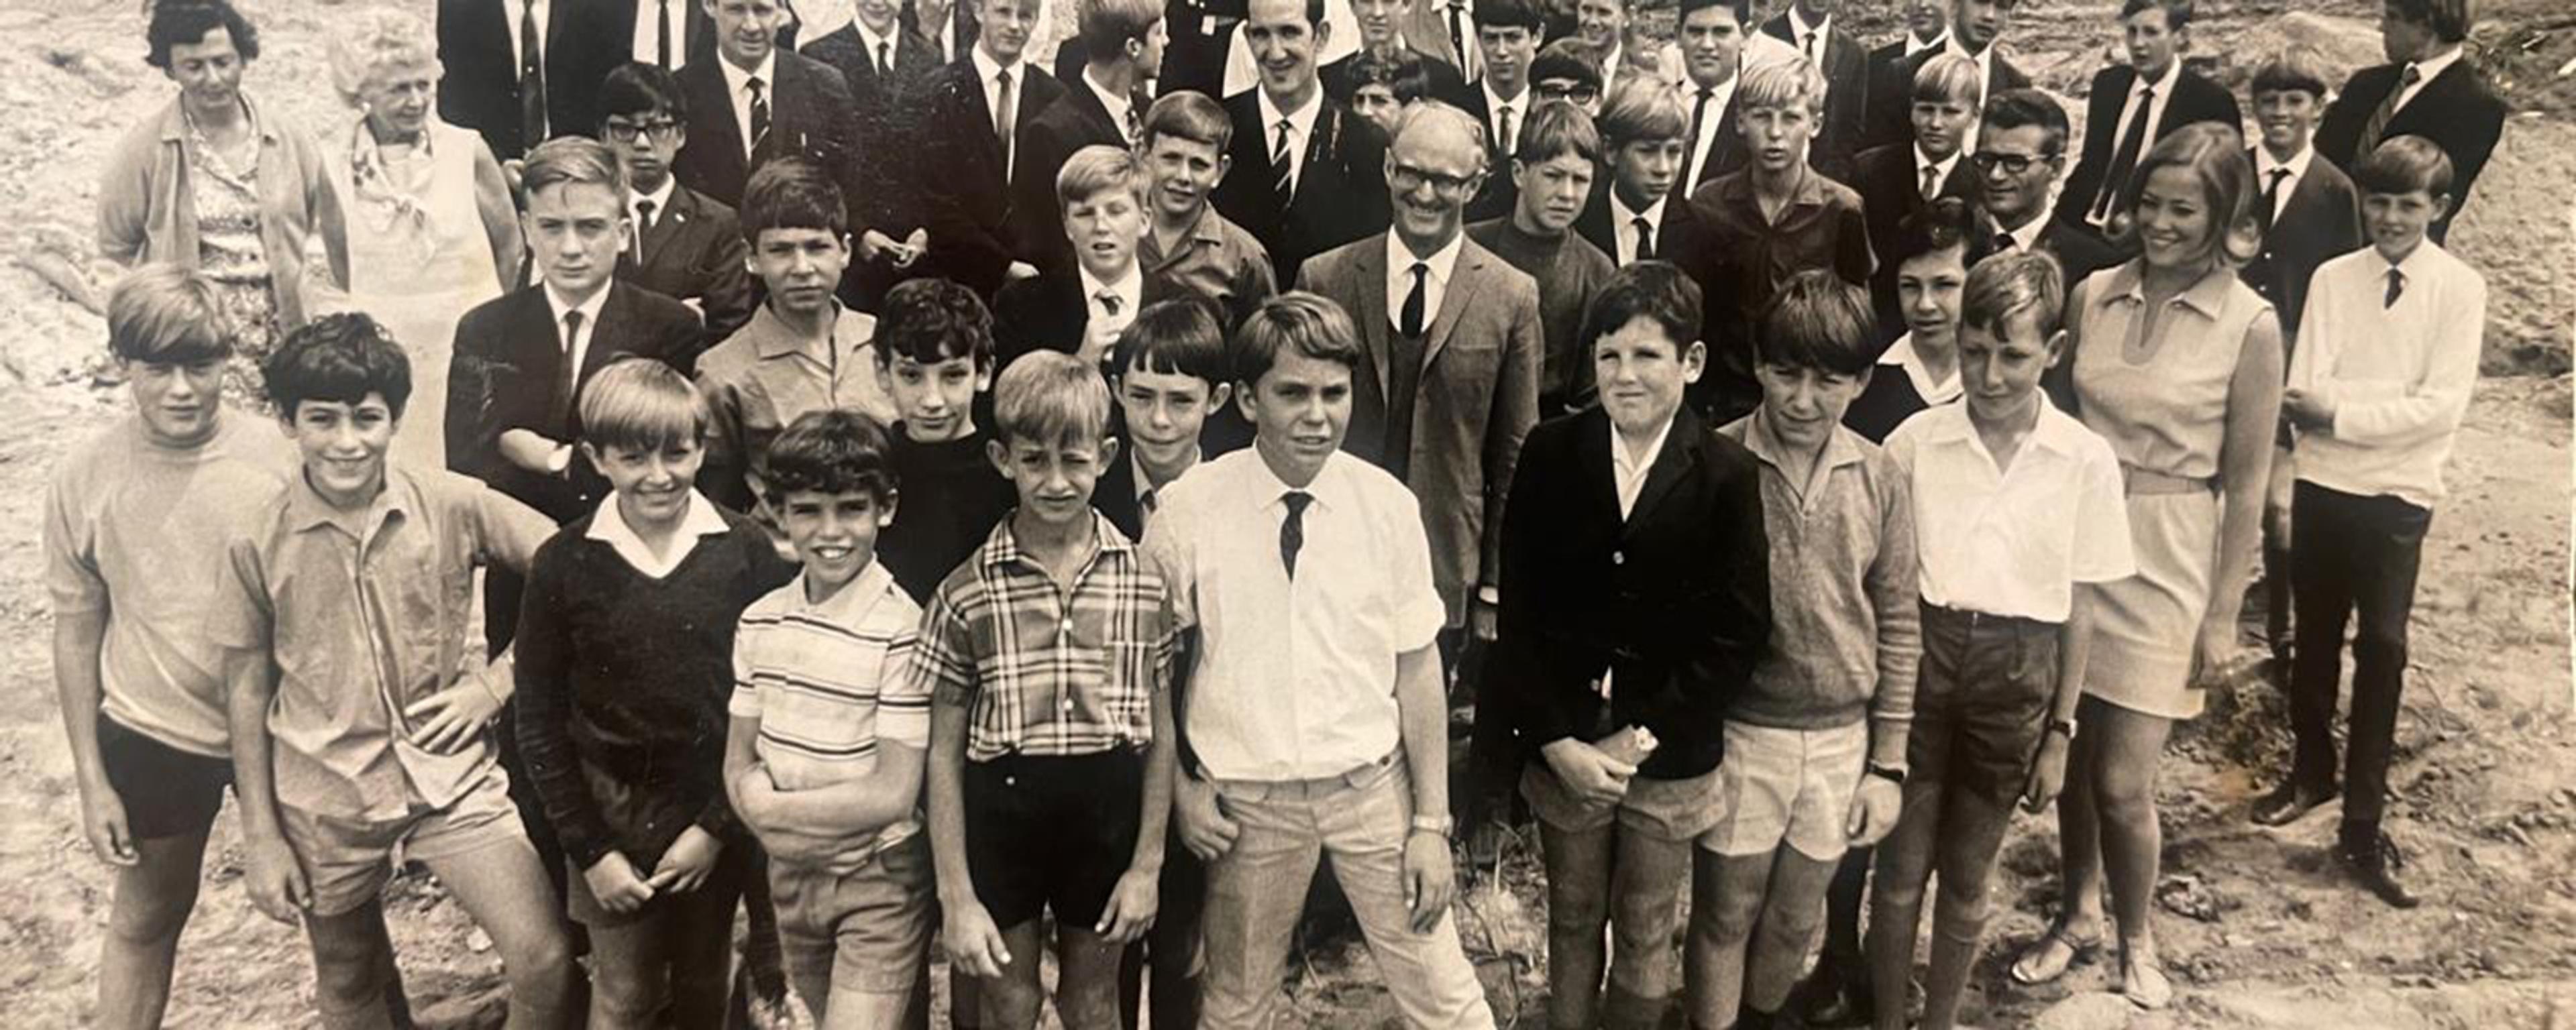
x,y
1810,40
1495,106
1295,679
1915,46
2425,71
870,41
661,201
609,526
2154,112
989,72
1301,127
1623,226
2026,238
1712,124
647,42
2398,374
1628,468
738,86
1128,288
2297,166
580,346
1940,169
1399,278
2012,541
1118,103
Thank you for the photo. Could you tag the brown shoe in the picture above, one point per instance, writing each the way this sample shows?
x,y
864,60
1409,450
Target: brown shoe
x,y
2285,804
2376,862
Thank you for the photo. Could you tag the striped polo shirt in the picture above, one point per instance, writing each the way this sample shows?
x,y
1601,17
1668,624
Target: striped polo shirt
x,y
825,680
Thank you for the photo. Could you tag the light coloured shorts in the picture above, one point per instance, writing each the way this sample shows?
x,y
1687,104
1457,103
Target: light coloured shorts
x,y
347,861
865,930
1792,786
1674,810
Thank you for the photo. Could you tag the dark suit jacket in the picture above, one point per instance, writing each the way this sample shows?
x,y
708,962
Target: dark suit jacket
x,y
976,229
1477,397
1890,115
620,15
961,16
1674,600
875,94
509,374
1499,193
480,90
1846,70
1726,155
2195,99
1049,312
1885,178
2321,219
1341,189
2458,110
695,252
1076,120
810,116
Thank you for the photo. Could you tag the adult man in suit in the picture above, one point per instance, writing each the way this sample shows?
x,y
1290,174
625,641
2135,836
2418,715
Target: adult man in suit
x,y
2427,89
2135,104
521,71
1306,175
972,138
1381,33
1507,33
951,27
1605,25
1808,26
685,245
756,102
1976,33
2021,149
667,34
1104,103
877,56
1711,42
1445,29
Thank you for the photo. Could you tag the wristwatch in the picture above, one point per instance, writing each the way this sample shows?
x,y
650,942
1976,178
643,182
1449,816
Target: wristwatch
x,y
1890,773
2065,726
1439,824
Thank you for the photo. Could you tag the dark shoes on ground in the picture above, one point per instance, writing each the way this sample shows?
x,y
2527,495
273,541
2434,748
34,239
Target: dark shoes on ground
x,y
2284,804
2375,862
1832,998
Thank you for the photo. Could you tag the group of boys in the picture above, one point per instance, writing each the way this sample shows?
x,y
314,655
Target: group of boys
x,y
916,588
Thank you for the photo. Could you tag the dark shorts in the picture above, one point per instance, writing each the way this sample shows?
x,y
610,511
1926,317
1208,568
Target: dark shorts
x,y
1981,703
1051,833
167,792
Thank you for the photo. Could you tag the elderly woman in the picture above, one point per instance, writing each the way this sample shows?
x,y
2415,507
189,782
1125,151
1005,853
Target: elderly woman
x,y
433,230
214,184
2178,364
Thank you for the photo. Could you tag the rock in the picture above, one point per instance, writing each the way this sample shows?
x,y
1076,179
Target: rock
x,y
2091,1010
2346,43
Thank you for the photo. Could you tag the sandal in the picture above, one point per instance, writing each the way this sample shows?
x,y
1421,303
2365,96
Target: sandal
x,y
2145,985
2040,964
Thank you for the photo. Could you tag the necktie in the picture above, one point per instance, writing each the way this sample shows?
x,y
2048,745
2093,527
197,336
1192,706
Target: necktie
x,y
1410,323
2005,244
532,77
2272,196
1135,117
1808,46
1108,302
2125,159
2387,109
1292,530
1504,137
1282,172
1005,110
885,58
2396,285
662,34
1690,147
643,224
1463,40
1645,238
1146,502
759,111
1931,182
570,386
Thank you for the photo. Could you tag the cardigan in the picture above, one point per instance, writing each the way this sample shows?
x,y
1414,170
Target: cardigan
x,y
145,211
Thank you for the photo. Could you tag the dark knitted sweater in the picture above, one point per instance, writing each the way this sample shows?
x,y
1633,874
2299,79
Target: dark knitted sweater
x,y
949,498
1569,270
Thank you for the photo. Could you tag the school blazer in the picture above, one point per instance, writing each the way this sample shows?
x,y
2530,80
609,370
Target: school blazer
x,y
480,90
1499,194
2457,110
2195,99
875,93
1890,114
1477,397
1885,179
1674,601
1049,312
1728,154
1846,70
2320,220
509,374
1341,187
961,17
1076,120
695,250
809,117
976,229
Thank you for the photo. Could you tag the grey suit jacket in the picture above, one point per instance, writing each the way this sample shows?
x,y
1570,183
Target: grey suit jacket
x,y
1477,399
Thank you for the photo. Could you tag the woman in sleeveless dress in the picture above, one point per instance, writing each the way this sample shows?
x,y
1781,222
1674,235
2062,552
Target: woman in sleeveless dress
x,y
433,231
2179,366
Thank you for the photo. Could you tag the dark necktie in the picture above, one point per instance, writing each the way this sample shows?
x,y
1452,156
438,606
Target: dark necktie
x,y
1136,103
1690,146
885,58
662,34
1645,238
1282,172
532,77
1005,110
2125,159
1108,302
2387,109
2005,244
643,224
1410,321
759,111
2396,286
2272,196
1503,142
569,387
1931,181
1462,40
1292,530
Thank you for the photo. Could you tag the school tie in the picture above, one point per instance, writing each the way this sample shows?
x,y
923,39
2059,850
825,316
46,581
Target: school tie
x,y
759,111
1281,171
2005,244
2125,159
1931,182
1005,109
2272,197
1146,502
643,224
2386,110
1292,530
1508,144
1645,238
568,389
532,77
1109,302
662,34
885,58
1464,39
1690,146
1410,320
2396,286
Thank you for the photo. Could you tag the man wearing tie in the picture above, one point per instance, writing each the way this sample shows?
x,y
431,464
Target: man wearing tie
x,y
1808,26
1307,175
876,55
685,244
521,71
2021,148
1976,33
2136,104
1507,35
759,101
973,138
666,34
2427,89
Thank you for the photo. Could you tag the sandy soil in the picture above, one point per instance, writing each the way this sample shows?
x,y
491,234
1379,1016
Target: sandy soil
x,y
2257,926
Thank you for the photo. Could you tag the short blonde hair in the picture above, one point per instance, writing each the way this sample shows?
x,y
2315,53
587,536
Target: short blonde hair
x,y
2215,156
1050,397
642,404
1948,76
1096,169
166,314
367,43
1784,83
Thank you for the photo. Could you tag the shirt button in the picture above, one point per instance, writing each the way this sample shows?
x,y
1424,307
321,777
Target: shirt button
x,y
1618,557
1065,628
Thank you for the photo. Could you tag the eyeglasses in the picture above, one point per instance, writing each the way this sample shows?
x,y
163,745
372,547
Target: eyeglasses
x,y
2012,164
1406,178
661,130
1579,94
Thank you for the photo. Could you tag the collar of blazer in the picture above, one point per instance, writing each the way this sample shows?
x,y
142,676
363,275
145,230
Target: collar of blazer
x,y
1466,279
1680,457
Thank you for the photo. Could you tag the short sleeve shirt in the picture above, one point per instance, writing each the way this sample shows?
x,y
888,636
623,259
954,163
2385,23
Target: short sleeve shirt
x,y
825,680
2012,541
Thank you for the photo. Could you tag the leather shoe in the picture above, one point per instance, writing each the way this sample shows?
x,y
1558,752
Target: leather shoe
x,y
1833,999
2376,862
2284,804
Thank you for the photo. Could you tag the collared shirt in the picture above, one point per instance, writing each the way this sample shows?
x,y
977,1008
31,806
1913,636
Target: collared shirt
x,y
1712,123
608,525
1820,227
1933,391
544,13
2425,71
1470,55
1295,679
1628,468
1045,670
648,41
2026,238
1128,288
1435,285
364,614
1810,40
988,72
2297,166
2398,374
1914,45
2169,415
1301,127
1121,107
826,681
1217,260
1984,60
876,44
1847,628
1940,169
738,86
2130,110
578,347
765,375
1623,226
2012,541
1496,111
661,201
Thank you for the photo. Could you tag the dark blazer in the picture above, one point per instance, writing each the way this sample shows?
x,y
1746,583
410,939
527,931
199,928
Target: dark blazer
x,y
1341,190
1477,397
875,94
620,16
810,116
1049,312
1890,114
509,374
1194,54
1674,600
2458,110
1885,178
1076,120
1726,155
2195,99
961,15
1499,194
695,251
2321,219
480,90
1846,70
976,229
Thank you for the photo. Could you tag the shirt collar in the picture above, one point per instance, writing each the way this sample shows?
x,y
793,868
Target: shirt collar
x,y
174,123
1623,215
986,67
608,525
1400,259
306,508
2297,164
589,308
870,41
1901,355
1621,462
2430,67
1303,117
850,604
2057,432
1800,30
1839,446
2164,84
771,338
1002,549
1985,60
1495,102
2208,296
1943,166
1130,287
1109,98
2416,260
1267,488
661,199
736,78
2027,237
1915,46
1810,191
